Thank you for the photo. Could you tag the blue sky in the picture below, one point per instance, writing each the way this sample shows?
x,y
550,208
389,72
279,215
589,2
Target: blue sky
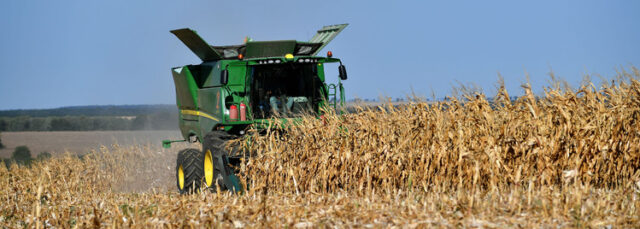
x,y
67,53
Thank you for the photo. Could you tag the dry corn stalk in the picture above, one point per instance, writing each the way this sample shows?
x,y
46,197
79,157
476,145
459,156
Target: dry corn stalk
x,y
569,158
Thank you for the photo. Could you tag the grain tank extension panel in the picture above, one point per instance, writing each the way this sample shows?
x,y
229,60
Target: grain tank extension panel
x,y
325,35
197,45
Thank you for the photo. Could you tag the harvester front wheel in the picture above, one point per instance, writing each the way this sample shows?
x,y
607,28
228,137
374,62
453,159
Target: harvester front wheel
x,y
217,170
189,170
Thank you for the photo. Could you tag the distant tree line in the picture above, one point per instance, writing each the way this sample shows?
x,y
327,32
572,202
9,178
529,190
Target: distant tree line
x,y
155,121
89,118
102,110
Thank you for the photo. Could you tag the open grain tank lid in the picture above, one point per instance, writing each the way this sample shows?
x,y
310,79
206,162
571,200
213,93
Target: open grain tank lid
x,y
258,49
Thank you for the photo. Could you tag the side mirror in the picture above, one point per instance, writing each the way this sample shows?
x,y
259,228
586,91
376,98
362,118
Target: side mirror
x,y
224,77
343,72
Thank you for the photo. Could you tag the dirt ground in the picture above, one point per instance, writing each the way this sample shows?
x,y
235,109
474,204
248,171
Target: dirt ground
x,y
80,142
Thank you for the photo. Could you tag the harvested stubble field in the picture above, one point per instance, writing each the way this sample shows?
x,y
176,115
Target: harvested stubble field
x,y
569,158
79,142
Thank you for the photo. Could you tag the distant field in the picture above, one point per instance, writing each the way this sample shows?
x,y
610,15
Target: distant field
x,y
58,142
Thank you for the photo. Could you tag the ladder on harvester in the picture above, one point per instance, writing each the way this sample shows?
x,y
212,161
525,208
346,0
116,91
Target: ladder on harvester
x,y
333,96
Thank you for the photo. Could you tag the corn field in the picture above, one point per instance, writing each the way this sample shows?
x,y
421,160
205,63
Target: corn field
x,y
567,158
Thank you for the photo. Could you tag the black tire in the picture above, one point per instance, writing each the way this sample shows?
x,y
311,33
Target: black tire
x,y
223,174
191,162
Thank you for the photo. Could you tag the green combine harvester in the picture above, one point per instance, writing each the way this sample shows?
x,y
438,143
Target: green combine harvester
x,y
238,87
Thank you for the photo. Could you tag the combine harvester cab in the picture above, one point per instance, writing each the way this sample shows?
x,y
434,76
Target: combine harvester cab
x,y
237,87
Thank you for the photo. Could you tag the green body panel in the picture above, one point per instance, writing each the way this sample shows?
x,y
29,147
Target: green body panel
x,y
186,89
204,102
211,101
237,76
